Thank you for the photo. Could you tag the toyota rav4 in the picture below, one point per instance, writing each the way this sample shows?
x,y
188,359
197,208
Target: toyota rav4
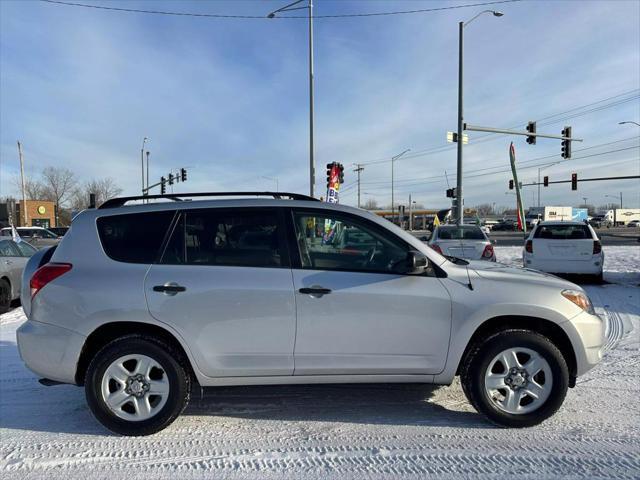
x,y
139,303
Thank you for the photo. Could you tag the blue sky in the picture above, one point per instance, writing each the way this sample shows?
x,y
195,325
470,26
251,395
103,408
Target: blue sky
x,y
228,99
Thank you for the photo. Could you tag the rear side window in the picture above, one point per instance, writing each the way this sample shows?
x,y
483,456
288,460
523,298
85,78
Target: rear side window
x,y
135,237
240,238
563,232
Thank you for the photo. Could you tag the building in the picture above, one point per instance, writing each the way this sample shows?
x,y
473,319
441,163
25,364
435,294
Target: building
x,y
40,213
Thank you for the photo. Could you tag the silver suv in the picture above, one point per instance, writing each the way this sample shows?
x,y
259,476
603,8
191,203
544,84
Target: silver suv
x,y
140,303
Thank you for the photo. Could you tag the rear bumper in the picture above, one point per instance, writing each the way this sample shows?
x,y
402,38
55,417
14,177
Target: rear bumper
x,y
49,351
587,335
593,266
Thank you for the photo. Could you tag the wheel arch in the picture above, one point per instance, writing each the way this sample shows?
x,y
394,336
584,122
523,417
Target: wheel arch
x,y
549,329
113,330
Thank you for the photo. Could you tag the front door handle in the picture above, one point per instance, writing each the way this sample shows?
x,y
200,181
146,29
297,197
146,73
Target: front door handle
x,y
315,291
170,288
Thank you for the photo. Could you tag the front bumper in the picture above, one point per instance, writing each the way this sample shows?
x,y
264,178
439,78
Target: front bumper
x,y
587,335
49,351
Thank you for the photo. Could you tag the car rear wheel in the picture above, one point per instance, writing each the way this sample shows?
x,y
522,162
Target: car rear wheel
x,y
137,386
5,296
516,378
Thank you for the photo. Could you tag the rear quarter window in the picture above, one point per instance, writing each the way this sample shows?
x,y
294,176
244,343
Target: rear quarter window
x,y
134,237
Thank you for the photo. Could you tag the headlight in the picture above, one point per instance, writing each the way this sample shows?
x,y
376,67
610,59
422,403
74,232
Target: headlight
x,y
579,299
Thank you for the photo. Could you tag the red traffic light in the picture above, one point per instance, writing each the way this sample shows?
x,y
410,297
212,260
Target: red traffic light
x,y
546,181
574,181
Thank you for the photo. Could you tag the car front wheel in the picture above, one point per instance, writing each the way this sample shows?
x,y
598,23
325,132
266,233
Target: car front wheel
x,y
137,386
516,378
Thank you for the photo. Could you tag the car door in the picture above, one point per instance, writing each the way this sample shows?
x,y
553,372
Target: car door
x,y
225,284
358,313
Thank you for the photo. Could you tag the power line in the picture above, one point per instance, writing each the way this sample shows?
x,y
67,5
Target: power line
x,y
264,17
491,137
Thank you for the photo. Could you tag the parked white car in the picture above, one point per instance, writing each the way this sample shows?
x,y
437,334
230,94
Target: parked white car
x,y
564,248
138,303
468,241
634,224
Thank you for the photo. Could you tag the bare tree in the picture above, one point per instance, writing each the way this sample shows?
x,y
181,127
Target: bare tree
x,y
34,189
104,189
59,183
484,209
370,204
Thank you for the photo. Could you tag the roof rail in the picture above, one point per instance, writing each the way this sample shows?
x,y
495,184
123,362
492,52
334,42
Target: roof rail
x,y
178,197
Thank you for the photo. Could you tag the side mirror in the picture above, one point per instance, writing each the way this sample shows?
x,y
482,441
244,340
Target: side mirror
x,y
416,262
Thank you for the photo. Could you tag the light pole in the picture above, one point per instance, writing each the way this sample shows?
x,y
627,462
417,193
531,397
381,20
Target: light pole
x,y
585,201
539,170
393,159
631,122
459,196
312,166
616,197
359,168
273,179
144,140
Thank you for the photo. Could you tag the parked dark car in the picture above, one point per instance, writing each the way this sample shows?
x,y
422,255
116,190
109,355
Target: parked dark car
x,y
59,231
504,226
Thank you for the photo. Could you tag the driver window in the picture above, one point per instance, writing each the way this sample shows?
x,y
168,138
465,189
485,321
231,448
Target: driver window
x,y
336,242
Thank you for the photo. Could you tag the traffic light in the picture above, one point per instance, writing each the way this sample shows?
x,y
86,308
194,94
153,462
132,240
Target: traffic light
x,y
329,167
510,184
163,188
574,181
183,174
341,174
171,179
566,144
546,181
449,192
531,128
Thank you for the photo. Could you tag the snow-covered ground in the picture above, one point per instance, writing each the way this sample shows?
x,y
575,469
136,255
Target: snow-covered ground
x,y
362,431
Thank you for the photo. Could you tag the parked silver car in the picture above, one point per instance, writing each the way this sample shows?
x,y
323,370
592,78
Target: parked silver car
x,y
13,258
138,303
467,241
38,237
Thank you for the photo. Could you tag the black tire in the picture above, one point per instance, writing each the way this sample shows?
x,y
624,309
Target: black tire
x,y
174,367
480,356
5,296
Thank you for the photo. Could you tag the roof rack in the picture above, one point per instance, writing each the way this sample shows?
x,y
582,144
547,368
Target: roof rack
x,y
178,197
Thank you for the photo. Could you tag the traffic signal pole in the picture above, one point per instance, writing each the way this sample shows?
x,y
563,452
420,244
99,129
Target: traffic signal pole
x,y
459,197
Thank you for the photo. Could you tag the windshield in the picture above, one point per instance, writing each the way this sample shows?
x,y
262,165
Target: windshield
x,y
460,233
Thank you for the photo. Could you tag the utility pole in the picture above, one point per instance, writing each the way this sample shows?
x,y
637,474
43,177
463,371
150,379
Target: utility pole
x,y
24,192
359,168
147,171
459,197
393,159
144,140
410,214
312,162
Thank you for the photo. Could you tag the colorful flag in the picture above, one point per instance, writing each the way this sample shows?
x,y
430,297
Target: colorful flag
x,y
436,221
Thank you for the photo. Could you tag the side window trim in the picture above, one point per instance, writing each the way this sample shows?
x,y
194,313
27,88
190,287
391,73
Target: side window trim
x,y
349,217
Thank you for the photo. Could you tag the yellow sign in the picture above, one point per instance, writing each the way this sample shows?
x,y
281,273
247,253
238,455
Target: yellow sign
x,y
41,209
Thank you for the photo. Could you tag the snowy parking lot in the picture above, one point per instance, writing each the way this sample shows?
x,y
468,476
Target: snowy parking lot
x,y
342,431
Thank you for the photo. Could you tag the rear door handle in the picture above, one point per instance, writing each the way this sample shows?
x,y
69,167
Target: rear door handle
x,y
315,291
170,288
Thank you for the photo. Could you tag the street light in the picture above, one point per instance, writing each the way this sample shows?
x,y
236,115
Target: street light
x,y
393,159
459,196
144,140
273,179
539,170
616,197
631,122
312,166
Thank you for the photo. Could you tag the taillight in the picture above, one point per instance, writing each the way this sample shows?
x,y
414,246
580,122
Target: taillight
x,y
488,251
46,274
436,248
597,246
529,246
